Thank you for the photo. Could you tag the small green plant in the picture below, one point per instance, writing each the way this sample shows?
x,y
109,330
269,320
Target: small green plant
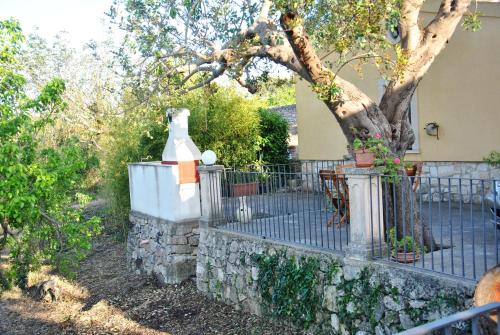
x,y
405,244
493,159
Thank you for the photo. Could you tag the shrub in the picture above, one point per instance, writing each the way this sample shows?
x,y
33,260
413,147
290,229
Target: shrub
x,y
225,122
493,159
39,185
274,132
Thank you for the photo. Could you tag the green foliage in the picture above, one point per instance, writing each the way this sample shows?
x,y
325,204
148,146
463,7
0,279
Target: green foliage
x,y
276,91
472,22
220,120
359,301
405,244
225,122
288,286
493,159
38,185
384,157
274,133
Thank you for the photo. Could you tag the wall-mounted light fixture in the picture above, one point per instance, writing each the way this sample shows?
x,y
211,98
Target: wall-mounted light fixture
x,y
432,129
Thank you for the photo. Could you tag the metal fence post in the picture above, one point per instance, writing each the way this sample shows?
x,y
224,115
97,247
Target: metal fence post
x,y
211,195
366,229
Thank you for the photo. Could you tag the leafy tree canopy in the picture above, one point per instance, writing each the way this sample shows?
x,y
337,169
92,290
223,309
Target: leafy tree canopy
x,y
39,185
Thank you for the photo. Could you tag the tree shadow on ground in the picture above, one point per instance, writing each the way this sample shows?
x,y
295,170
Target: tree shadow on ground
x,y
107,298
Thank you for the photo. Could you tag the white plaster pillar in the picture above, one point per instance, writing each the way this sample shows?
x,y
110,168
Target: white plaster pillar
x,y
366,224
211,194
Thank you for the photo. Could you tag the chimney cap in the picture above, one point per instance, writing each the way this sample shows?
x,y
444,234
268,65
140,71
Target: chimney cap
x,y
172,112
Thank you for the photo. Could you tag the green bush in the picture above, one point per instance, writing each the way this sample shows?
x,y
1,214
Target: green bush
x,y
39,184
225,122
493,159
274,132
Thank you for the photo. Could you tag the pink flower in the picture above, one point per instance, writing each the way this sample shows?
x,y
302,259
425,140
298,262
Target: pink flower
x,y
397,160
378,136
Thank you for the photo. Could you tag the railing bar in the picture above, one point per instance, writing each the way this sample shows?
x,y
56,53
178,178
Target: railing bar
x,y
274,194
387,220
475,326
422,242
380,215
284,184
339,206
484,226
440,216
272,201
412,223
395,218
431,200
498,321
450,224
309,221
297,208
233,202
473,233
261,208
495,223
316,211
403,217
461,226
371,215
330,184
303,209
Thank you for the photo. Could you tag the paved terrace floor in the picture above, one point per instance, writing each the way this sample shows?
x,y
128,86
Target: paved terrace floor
x,y
467,230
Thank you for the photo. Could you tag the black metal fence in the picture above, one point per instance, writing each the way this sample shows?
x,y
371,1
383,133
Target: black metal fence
x,y
446,225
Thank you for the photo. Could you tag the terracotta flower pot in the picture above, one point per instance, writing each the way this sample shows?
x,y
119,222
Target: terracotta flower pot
x,y
244,189
411,171
408,257
364,158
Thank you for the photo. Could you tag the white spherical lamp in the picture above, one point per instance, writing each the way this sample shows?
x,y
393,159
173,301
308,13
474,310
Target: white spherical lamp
x,y
208,157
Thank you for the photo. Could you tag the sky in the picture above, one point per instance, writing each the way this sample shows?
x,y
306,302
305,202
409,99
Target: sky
x,y
82,19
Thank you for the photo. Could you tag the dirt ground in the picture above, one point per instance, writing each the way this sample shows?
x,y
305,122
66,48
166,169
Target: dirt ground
x,y
105,298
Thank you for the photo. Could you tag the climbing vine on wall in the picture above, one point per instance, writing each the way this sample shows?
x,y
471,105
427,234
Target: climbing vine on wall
x,y
359,300
288,286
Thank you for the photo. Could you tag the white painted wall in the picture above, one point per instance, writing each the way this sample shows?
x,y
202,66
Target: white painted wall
x,y
155,191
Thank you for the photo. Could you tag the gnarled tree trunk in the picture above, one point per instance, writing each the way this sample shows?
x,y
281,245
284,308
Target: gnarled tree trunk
x,y
354,109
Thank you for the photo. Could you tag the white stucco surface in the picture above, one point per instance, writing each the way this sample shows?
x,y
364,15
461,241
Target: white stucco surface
x,y
179,146
155,191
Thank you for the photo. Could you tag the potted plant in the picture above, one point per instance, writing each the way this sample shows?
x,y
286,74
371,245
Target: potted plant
x,y
363,156
372,151
243,184
404,250
411,169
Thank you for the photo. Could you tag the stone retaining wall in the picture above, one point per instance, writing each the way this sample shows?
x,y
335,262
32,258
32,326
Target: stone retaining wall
x,y
162,248
355,297
471,188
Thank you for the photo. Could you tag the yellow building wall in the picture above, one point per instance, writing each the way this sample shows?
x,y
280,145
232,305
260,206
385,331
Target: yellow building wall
x,y
461,92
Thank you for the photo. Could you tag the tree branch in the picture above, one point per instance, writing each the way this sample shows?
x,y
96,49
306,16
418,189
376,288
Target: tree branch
x,y
57,227
396,100
408,24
